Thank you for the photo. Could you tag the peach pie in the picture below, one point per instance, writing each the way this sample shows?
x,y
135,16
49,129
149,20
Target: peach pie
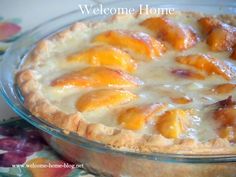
x,y
139,82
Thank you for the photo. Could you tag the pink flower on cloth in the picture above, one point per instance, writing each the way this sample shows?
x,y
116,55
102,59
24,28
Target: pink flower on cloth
x,y
8,30
18,144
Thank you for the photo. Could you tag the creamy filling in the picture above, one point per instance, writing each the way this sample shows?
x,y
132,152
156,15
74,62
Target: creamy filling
x,y
159,83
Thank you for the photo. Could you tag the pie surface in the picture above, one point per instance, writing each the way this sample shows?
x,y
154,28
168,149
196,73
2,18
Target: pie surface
x,y
139,82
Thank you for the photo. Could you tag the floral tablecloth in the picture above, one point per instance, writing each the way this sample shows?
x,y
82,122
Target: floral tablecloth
x,y
24,153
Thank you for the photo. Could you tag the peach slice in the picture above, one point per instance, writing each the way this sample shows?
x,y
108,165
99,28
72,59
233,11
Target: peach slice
x,y
224,88
181,100
228,133
221,39
103,98
178,36
225,103
220,36
172,123
139,42
188,74
97,77
105,56
233,55
207,24
136,117
208,64
226,116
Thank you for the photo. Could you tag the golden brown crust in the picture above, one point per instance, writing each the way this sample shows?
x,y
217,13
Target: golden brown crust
x,y
121,139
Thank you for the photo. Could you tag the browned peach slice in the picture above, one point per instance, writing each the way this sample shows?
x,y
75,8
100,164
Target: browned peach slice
x,y
233,55
104,55
172,123
103,98
221,36
221,39
188,74
224,88
225,103
226,116
228,133
181,100
208,64
178,36
136,117
97,77
207,24
139,42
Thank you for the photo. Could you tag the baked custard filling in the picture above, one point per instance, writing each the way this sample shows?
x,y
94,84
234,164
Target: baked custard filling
x,y
172,76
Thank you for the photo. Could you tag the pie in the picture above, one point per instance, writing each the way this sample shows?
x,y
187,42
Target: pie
x,y
139,82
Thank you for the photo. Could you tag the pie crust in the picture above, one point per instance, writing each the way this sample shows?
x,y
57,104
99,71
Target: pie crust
x,y
40,106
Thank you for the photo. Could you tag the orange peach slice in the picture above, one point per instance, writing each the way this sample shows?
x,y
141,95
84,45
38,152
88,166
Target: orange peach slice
x,y
97,77
172,123
207,24
228,133
221,39
139,42
224,88
226,116
188,74
220,36
181,100
105,56
209,65
135,118
103,98
178,36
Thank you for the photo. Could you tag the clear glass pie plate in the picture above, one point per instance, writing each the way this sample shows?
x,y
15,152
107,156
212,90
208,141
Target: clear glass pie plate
x,y
97,157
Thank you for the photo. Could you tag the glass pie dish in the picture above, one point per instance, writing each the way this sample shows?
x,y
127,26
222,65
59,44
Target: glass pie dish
x,y
97,157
